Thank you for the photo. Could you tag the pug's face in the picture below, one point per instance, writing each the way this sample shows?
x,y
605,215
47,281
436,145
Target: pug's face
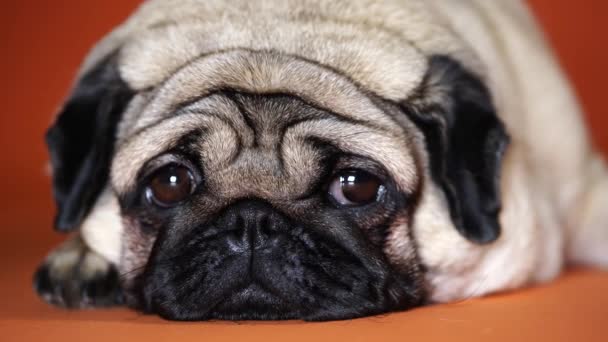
x,y
264,207
288,192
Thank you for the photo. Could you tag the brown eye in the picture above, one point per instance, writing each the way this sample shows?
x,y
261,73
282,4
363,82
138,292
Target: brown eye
x,y
170,185
355,188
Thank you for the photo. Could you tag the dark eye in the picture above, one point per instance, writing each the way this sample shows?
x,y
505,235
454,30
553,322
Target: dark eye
x,y
170,185
355,188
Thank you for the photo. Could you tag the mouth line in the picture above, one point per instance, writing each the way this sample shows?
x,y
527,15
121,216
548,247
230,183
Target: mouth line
x,y
253,293
250,282
262,285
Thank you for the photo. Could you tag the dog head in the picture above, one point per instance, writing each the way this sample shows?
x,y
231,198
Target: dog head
x,y
277,174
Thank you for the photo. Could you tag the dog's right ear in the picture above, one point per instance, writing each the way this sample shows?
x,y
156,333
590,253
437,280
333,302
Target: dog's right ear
x,y
81,141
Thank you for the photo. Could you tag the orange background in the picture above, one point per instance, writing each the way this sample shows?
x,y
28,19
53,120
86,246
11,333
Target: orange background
x,y
43,42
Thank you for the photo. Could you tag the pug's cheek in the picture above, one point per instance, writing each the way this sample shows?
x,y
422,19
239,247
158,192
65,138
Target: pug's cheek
x,y
137,246
400,249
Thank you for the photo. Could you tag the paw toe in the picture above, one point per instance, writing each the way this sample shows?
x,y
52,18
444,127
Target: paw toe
x,y
44,286
78,288
102,289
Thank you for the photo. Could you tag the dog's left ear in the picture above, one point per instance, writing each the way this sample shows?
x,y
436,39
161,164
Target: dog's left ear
x,y
81,141
465,141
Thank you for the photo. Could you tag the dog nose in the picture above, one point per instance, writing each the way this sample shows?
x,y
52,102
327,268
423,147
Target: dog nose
x,y
251,224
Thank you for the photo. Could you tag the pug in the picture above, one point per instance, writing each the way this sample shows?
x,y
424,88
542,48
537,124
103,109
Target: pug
x,y
319,160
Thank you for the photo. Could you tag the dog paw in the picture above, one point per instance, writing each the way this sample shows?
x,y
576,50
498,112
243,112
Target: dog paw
x,y
73,276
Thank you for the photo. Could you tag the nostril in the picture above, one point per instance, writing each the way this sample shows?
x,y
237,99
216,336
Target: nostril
x,y
238,235
265,227
234,243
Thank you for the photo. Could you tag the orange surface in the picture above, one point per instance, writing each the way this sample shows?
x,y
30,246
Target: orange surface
x,y
42,43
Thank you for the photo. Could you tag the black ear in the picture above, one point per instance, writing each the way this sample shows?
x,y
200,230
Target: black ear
x,y
465,141
81,142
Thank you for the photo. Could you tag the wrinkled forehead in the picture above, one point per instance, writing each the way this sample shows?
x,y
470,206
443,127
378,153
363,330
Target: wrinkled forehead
x,y
381,45
257,72
267,104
